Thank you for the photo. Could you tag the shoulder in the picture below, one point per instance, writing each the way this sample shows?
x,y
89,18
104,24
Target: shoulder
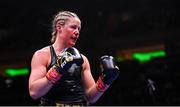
x,y
41,53
84,57
86,61
44,50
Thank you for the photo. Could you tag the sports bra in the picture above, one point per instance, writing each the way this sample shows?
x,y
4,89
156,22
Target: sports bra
x,y
69,89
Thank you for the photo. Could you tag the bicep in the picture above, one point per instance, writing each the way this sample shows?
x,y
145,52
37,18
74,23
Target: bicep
x,y
38,67
86,75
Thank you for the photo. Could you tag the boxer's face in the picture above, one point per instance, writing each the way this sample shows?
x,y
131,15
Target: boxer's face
x,y
70,31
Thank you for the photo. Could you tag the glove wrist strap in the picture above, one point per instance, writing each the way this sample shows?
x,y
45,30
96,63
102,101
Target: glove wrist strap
x,y
53,76
101,87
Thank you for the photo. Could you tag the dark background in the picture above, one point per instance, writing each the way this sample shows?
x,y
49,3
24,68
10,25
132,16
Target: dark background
x,y
107,26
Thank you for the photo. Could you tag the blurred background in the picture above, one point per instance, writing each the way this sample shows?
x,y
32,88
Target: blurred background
x,y
142,35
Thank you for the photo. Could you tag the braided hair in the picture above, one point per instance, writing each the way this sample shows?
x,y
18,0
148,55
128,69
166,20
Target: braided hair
x,y
60,18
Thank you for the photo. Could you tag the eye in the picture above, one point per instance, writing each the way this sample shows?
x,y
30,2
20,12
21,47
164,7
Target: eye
x,y
75,27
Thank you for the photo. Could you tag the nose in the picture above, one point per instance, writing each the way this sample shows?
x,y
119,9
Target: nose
x,y
77,32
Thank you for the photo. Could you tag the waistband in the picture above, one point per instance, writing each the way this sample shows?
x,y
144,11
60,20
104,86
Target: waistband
x,y
47,102
69,105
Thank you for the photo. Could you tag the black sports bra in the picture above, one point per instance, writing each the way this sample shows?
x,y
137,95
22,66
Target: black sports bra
x,y
69,89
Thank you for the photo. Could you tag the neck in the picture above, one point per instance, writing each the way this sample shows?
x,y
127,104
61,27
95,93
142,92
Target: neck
x,y
58,46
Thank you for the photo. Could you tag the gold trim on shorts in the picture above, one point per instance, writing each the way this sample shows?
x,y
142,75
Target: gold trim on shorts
x,y
68,105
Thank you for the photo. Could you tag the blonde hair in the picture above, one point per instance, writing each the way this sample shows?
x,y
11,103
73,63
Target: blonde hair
x,y
60,18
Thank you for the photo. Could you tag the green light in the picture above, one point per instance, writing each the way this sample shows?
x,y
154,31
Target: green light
x,y
144,57
16,72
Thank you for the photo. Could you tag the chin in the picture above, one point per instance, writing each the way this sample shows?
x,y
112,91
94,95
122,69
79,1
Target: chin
x,y
71,45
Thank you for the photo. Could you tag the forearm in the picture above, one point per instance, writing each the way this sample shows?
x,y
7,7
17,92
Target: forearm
x,y
109,73
39,87
93,94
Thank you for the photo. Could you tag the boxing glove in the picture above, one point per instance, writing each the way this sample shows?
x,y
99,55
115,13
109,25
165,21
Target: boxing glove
x,y
64,61
109,72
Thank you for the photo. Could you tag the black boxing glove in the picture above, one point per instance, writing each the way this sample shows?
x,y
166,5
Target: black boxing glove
x,y
109,72
64,61
68,57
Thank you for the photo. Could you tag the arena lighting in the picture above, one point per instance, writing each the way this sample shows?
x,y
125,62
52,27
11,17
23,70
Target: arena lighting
x,y
141,53
146,56
16,71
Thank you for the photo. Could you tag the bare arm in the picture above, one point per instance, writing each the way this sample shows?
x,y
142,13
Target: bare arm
x,y
91,92
39,85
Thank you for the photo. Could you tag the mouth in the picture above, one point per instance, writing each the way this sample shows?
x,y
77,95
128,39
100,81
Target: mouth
x,y
74,39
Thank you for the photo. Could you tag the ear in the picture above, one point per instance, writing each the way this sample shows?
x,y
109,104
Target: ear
x,y
58,27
